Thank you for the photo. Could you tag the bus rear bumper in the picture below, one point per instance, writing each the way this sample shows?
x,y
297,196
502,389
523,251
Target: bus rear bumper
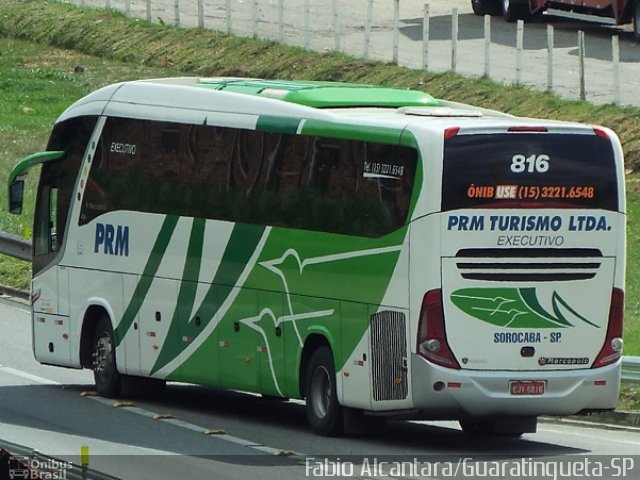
x,y
454,394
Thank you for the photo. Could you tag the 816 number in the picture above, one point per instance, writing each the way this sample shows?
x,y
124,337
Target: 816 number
x,y
531,164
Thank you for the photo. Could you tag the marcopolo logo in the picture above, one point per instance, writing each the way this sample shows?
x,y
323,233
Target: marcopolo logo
x,y
515,308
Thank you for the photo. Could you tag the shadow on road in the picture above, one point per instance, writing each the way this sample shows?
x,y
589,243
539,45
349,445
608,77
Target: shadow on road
x,y
471,27
61,410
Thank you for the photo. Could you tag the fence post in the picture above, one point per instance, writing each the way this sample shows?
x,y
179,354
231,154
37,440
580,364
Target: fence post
x,y
487,46
336,26
107,4
307,20
201,14
550,47
581,54
519,48
615,47
367,30
176,10
281,21
149,11
425,37
229,30
254,19
454,40
127,8
396,30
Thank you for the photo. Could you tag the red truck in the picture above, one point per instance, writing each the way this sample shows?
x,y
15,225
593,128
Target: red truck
x,y
612,12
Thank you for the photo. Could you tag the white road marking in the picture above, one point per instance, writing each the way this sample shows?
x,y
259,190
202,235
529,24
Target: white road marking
x,y
28,376
149,414
197,428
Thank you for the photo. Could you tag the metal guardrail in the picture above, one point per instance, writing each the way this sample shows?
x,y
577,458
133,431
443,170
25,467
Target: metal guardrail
x,y
15,246
631,369
18,247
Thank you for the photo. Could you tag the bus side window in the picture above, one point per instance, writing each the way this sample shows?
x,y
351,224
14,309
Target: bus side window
x,y
246,176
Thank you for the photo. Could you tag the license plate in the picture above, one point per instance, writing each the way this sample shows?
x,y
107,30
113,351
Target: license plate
x,y
529,387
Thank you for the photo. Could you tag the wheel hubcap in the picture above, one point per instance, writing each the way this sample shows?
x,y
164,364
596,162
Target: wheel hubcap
x,y
102,355
320,392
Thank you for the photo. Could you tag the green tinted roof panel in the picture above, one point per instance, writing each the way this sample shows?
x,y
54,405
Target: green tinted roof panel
x,y
325,94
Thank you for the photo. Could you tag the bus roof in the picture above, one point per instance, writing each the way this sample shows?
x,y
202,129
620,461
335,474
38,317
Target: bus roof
x,y
195,100
324,94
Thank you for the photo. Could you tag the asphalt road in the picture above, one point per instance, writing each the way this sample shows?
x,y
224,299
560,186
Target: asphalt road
x,y
261,17
42,407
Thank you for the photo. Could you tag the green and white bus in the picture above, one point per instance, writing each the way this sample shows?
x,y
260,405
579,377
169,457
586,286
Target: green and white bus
x,y
372,250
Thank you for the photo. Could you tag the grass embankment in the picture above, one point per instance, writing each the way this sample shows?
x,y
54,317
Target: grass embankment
x,y
38,79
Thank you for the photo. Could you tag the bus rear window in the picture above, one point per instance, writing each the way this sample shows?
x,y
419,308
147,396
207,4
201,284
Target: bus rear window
x,y
529,170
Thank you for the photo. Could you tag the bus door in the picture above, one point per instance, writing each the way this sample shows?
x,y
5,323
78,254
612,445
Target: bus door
x,y
50,286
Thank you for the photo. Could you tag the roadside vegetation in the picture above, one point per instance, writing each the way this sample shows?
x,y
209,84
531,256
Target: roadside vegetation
x,y
45,65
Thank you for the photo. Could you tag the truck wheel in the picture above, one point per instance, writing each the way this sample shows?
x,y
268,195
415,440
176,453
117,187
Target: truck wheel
x,y
485,7
636,21
106,376
513,10
478,7
323,410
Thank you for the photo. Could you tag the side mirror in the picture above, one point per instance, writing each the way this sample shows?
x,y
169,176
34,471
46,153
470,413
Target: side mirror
x,y
19,172
16,192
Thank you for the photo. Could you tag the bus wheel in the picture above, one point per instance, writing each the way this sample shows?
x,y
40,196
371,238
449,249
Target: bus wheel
x,y
105,373
323,411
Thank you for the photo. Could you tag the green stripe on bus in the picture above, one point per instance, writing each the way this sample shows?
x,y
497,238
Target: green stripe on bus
x,y
148,275
242,244
187,292
270,123
367,133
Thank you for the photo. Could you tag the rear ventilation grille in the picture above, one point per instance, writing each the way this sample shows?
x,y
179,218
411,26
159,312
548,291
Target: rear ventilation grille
x,y
389,355
541,265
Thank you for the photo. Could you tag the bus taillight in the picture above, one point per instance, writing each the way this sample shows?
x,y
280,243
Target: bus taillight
x,y
451,132
612,349
432,338
601,133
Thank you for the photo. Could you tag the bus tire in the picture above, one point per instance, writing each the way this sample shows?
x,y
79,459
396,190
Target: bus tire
x,y
323,410
105,373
